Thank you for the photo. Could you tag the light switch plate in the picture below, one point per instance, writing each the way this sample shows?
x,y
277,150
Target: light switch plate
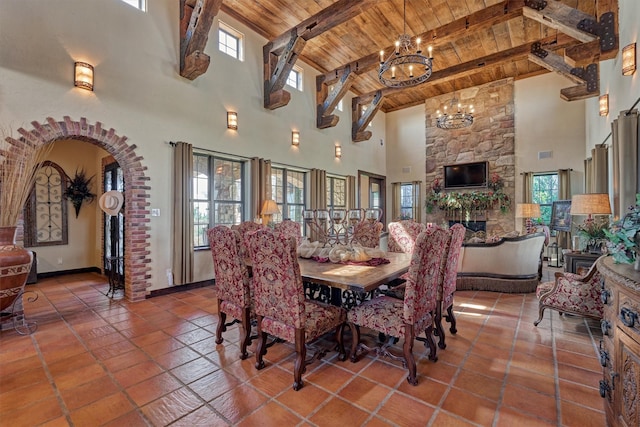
x,y
155,212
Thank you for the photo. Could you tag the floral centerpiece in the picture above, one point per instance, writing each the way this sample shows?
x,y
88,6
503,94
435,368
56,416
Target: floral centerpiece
x,y
624,237
470,202
593,230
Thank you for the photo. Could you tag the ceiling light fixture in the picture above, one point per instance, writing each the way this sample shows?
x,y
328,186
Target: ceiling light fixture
x,y
459,119
404,68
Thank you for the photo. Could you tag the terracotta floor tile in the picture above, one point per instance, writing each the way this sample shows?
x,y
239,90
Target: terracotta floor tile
x,y
203,416
171,407
305,400
104,353
386,373
151,389
470,407
446,419
176,358
582,361
479,384
530,402
130,419
238,402
194,370
193,336
35,413
405,411
330,377
440,371
137,373
71,364
126,360
88,392
364,393
272,414
338,412
378,422
243,370
532,363
14,398
427,390
509,417
577,415
161,347
57,422
106,409
18,380
214,384
273,381
80,376
528,379
579,375
491,367
584,395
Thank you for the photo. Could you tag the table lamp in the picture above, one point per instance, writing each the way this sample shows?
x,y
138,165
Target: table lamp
x,y
528,211
269,208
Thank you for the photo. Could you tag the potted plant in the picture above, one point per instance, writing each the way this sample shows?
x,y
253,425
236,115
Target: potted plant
x,y
624,237
19,162
592,230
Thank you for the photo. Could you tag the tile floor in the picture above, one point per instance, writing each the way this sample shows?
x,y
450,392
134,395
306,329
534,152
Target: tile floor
x,y
97,361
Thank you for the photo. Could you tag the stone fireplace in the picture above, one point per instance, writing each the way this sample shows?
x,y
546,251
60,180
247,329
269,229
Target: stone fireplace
x,y
490,138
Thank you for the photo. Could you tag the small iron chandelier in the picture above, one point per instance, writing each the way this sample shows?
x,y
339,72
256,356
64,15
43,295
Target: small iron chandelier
x,y
404,68
455,120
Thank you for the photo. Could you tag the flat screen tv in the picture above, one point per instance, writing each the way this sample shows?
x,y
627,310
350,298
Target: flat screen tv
x,y
466,175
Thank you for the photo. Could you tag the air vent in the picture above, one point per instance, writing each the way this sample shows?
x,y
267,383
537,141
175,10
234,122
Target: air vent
x,y
545,155
406,169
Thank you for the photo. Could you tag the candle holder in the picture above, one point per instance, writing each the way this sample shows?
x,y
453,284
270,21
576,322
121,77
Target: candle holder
x,y
335,227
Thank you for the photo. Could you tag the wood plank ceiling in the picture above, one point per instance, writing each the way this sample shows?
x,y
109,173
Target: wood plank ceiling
x,y
379,26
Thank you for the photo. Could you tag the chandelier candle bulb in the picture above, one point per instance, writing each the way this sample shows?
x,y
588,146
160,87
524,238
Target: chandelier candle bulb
x,y
430,49
382,56
393,72
410,70
418,45
397,47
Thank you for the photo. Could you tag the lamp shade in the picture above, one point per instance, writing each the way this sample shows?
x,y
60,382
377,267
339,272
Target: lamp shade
x,y
590,204
528,210
269,207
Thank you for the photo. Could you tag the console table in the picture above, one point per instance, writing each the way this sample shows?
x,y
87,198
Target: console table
x,y
620,344
575,260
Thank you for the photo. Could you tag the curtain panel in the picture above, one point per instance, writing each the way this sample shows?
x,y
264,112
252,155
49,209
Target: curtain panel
x,y
417,201
564,193
600,170
527,187
260,185
182,213
351,192
396,196
624,132
318,196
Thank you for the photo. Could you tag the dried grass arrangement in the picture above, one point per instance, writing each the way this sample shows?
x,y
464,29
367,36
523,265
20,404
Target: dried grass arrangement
x,y
19,162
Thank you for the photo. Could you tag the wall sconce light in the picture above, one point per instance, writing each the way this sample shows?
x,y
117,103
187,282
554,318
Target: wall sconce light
x,y
603,103
232,120
83,75
295,138
629,59
338,151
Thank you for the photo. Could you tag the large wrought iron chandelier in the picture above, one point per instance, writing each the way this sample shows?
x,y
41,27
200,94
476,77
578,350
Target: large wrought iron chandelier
x,y
457,117
404,67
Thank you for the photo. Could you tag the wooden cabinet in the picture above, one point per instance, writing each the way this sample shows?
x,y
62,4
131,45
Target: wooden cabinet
x,y
620,345
575,260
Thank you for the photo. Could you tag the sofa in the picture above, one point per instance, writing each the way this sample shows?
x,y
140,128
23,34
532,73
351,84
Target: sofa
x,y
511,264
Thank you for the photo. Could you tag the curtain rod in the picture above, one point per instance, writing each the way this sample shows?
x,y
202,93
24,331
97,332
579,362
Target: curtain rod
x,y
545,172
173,144
627,113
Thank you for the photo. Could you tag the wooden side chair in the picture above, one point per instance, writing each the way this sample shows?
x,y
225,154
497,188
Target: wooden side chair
x,y
232,284
403,235
280,305
448,285
572,293
415,313
289,228
367,234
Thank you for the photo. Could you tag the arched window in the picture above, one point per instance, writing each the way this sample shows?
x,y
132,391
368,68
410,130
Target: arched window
x,y
45,214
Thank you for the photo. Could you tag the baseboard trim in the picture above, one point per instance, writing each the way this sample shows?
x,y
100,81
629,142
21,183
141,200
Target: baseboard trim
x,y
181,288
65,272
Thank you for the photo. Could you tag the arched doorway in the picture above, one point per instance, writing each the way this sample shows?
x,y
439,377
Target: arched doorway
x,y
136,259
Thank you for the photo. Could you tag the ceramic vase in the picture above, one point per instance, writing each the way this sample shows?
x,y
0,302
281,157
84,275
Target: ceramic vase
x,y
15,264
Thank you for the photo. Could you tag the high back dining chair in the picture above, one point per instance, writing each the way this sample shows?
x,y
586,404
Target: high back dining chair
x,y
367,234
403,235
243,228
289,228
232,283
448,285
280,305
406,318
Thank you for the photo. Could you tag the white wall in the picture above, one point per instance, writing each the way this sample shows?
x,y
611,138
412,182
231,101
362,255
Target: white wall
x,y
140,94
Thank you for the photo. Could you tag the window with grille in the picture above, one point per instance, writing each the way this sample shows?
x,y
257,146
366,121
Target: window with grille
x,y
336,193
406,201
295,78
230,41
545,192
218,185
138,4
288,190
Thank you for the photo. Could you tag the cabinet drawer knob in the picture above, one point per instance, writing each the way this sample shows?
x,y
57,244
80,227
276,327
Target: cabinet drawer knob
x,y
605,325
628,316
604,388
605,295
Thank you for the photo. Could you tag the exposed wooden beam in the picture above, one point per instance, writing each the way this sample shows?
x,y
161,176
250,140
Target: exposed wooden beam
x,y
554,62
561,17
583,54
363,109
611,8
326,102
281,53
196,17
477,21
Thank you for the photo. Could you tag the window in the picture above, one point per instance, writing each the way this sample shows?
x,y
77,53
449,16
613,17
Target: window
x,y
295,78
218,187
230,41
138,4
336,193
406,201
288,190
340,103
545,192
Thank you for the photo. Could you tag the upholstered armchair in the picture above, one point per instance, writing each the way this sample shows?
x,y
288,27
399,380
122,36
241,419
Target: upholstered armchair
x,y
280,306
367,233
572,293
415,313
403,235
448,288
289,228
232,284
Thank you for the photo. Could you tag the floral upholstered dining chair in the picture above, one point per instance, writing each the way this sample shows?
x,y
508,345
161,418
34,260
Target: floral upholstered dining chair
x,y
244,228
289,228
572,293
403,235
415,313
232,284
367,233
280,305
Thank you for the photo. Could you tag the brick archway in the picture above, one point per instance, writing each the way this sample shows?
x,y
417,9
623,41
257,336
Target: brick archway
x,y
136,262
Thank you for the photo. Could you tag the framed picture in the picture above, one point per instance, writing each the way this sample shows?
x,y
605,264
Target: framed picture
x,y
561,215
